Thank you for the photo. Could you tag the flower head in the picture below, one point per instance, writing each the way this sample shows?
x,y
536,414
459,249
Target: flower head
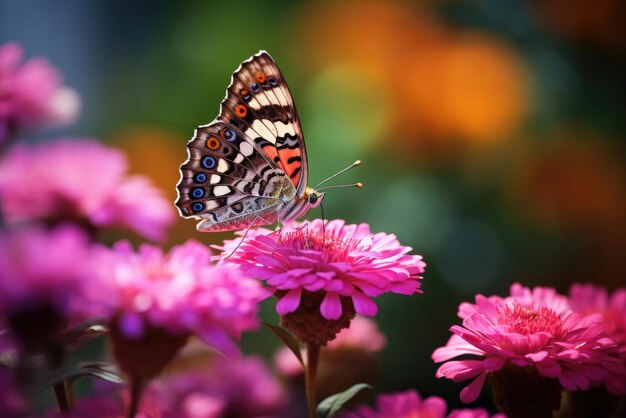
x,y
588,299
31,94
42,266
80,180
328,268
179,292
534,330
409,404
241,387
43,276
237,387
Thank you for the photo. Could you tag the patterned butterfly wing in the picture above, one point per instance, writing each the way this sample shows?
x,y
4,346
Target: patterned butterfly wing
x,y
228,182
259,103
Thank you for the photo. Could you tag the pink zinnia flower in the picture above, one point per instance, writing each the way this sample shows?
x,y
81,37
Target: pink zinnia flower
x,y
588,299
409,404
242,387
31,94
335,267
40,267
112,405
531,329
179,292
43,279
83,181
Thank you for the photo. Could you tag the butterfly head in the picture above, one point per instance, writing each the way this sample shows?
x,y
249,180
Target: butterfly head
x,y
314,198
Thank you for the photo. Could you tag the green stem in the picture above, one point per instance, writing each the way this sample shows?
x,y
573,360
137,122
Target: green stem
x,y
312,357
136,387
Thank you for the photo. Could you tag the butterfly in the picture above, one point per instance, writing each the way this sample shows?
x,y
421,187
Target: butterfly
x,y
248,167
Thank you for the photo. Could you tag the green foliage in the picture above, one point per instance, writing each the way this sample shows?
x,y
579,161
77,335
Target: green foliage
x,y
331,405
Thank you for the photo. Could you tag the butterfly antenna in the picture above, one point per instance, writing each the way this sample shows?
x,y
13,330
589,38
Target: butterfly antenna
x,y
342,186
351,166
323,223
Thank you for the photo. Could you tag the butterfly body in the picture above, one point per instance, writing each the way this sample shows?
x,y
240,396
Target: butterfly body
x,y
248,167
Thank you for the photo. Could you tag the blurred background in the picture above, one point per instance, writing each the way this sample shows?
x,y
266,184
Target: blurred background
x,y
492,131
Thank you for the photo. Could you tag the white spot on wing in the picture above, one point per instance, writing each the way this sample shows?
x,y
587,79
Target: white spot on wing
x,y
238,158
246,149
277,98
211,204
222,166
262,99
221,190
254,104
215,178
259,127
281,97
285,128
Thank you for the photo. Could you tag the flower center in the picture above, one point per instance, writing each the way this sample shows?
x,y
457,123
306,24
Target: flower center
x,y
526,321
303,239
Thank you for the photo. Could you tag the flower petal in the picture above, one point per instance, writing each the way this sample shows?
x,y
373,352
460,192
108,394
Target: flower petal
x,y
331,306
290,302
364,305
471,391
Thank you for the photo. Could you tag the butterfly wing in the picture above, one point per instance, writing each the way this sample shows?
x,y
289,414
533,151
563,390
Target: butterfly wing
x,y
259,103
228,182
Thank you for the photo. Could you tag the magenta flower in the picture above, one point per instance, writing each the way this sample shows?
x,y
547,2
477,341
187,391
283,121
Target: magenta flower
x,y
534,330
323,274
80,180
111,405
588,299
240,387
31,94
40,267
43,278
409,404
179,292
340,260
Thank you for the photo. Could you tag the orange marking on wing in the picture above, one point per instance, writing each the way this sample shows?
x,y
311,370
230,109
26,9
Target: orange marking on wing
x,y
241,110
260,77
212,143
270,151
291,159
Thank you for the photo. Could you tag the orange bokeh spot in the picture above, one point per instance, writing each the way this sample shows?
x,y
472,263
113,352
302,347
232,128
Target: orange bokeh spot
x,y
241,110
212,143
260,77
472,87
450,89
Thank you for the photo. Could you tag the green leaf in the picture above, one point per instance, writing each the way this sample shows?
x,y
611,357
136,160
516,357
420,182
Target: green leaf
x,y
104,371
289,340
331,405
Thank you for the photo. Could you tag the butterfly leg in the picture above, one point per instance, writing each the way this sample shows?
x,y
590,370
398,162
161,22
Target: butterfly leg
x,y
252,225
